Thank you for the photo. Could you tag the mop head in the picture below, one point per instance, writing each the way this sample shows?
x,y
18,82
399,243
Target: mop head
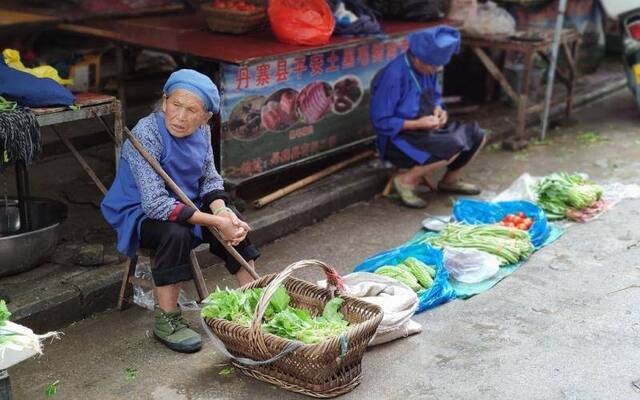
x,y
19,135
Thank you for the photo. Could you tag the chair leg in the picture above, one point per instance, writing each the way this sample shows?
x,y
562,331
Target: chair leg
x,y
387,189
126,290
198,278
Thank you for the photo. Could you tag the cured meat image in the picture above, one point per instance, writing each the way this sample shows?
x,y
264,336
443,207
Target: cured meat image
x,y
314,101
347,93
279,111
244,121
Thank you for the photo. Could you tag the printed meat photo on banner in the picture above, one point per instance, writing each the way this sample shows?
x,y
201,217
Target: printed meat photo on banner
x,y
279,111
347,94
244,121
314,101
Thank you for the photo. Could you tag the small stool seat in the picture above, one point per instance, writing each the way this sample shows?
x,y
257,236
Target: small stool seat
x,y
129,279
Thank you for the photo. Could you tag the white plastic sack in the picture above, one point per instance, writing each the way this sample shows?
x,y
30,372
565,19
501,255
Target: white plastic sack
x,y
491,20
520,189
398,303
463,11
470,265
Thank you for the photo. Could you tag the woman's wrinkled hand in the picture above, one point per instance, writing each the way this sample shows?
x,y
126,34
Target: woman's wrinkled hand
x,y
230,232
239,224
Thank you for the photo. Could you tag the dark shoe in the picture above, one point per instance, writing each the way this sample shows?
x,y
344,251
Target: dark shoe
x,y
459,187
173,331
408,195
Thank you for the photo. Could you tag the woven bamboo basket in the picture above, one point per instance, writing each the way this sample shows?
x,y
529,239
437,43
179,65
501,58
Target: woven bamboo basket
x,y
322,370
233,21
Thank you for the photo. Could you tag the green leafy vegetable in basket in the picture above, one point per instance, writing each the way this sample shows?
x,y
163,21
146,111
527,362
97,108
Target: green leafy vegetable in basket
x,y
510,245
280,318
560,193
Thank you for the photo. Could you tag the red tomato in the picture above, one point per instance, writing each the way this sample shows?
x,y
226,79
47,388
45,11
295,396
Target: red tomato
x,y
522,227
517,220
528,221
521,214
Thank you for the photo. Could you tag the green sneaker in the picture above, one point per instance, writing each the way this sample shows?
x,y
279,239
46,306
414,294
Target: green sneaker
x,y
172,330
408,195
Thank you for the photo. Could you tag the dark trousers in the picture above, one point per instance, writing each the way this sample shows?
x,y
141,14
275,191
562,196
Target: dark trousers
x,y
173,242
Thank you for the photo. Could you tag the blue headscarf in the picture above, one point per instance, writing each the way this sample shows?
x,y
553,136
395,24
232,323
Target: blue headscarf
x,y
435,46
196,83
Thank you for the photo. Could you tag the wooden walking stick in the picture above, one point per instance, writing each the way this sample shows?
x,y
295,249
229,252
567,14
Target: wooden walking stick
x,y
186,200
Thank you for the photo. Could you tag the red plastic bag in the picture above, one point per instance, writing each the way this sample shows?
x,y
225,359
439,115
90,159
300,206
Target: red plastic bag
x,y
308,22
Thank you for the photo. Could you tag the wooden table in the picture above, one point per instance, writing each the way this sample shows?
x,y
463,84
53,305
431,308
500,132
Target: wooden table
x,y
13,22
529,49
90,105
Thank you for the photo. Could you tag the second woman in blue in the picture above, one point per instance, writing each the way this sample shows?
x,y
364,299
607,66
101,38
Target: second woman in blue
x,y
412,126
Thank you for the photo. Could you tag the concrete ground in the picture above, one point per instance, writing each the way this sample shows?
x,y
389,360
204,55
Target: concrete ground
x,y
558,328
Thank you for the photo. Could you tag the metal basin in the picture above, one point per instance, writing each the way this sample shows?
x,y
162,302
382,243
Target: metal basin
x,y
19,250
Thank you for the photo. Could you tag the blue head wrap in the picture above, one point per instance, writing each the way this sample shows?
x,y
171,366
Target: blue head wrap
x,y
196,83
435,46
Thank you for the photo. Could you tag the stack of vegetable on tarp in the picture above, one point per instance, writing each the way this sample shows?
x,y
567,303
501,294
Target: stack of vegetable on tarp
x,y
524,215
570,196
419,267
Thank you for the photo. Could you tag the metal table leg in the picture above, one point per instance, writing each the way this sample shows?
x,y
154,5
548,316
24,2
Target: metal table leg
x,y
24,194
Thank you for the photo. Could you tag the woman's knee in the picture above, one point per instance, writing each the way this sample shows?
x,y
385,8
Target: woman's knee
x,y
176,233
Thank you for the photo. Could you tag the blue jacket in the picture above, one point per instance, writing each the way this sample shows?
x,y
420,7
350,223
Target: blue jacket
x,y
396,98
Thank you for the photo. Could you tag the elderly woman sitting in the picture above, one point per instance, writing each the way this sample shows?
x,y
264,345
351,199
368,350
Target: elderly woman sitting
x,y
413,128
146,214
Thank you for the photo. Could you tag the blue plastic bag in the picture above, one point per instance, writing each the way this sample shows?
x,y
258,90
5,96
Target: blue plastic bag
x,y
30,91
441,291
481,212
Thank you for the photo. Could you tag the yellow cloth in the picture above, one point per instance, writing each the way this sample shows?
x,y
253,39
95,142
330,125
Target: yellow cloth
x,y
12,59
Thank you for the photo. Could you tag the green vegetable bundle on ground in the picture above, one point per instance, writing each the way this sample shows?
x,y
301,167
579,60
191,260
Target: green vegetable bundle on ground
x,y
17,338
412,272
509,244
280,318
569,196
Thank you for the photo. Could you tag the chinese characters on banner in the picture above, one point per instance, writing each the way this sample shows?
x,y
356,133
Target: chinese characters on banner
x,y
281,111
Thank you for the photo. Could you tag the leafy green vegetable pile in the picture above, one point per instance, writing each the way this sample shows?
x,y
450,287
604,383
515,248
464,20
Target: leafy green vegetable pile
x,y
4,312
562,195
279,318
5,337
509,244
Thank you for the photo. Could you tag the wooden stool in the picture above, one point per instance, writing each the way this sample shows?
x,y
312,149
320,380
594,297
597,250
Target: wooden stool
x,y
129,279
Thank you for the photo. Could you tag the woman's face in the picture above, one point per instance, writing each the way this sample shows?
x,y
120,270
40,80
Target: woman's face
x,y
424,69
184,112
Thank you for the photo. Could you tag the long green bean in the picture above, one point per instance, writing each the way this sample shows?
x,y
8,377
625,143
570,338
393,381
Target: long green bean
x,y
510,245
